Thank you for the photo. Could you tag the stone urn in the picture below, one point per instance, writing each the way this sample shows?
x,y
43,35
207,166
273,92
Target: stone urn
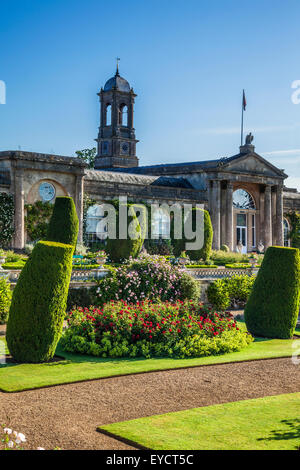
x,y
101,260
183,261
260,247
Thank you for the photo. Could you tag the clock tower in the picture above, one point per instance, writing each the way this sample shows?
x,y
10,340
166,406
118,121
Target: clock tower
x,y
116,138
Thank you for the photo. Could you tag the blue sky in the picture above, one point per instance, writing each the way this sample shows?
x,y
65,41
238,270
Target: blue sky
x,y
188,61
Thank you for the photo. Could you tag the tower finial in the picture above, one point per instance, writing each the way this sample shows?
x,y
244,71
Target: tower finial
x,y
117,71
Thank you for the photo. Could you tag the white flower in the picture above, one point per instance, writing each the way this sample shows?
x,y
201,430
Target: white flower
x,y
40,448
7,431
10,444
21,437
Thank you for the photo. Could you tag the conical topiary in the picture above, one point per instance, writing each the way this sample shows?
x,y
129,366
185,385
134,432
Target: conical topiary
x,y
273,306
39,303
64,224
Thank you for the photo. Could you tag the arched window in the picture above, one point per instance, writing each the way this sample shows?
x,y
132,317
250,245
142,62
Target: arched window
x,y
96,229
243,200
123,115
108,115
286,232
161,225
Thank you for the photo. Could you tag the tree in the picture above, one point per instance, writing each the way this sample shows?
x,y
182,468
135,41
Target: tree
x,y
39,303
273,306
88,156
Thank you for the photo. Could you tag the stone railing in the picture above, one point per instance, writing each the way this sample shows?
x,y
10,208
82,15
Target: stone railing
x,y
218,273
78,275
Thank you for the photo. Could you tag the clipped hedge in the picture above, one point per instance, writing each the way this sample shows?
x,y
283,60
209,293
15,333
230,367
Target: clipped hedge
x,y
230,292
273,307
39,303
204,252
64,224
123,249
5,300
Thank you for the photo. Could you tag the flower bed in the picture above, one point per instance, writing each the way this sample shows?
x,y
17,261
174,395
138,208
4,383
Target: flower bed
x,y
149,277
146,329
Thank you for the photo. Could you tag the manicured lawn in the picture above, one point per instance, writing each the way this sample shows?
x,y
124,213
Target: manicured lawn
x,y
270,423
76,368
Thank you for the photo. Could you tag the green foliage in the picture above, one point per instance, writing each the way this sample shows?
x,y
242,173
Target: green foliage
x,y
16,265
199,266
238,266
161,247
182,329
273,307
230,292
88,156
39,303
7,209
294,218
37,219
81,297
205,251
221,257
5,300
122,249
64,224
12,257
149,277
225,248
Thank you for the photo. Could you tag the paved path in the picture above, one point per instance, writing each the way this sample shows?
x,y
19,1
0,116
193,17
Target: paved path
x,y
67,416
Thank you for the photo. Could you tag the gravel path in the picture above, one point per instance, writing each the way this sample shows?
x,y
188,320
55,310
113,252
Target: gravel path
x,y
67,416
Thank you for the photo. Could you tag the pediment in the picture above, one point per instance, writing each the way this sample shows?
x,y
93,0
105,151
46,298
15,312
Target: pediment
x,y
253,163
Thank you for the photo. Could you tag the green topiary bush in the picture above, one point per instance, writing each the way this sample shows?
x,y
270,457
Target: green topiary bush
x,y
5,299
204,252
230,292
123,249
39,303
273,306
64,224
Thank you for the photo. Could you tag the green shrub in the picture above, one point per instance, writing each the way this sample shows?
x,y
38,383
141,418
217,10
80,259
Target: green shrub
x,y
273,307
230,292
238,266
221,257
197,266
182,329
218,295
225,248
204,252
16,265
39,303
64,224
5,300
123,249
81,297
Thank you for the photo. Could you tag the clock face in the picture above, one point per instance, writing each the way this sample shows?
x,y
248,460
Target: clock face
x,y
125,148
47,192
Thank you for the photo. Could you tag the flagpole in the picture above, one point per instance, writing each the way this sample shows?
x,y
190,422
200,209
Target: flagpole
x,y
242,123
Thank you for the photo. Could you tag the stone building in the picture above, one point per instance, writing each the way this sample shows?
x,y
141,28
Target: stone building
x,y
245,194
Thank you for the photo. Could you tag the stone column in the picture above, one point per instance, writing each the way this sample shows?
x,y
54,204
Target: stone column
x,y
229,214
279,216
79,188
268,218
216,213
19,210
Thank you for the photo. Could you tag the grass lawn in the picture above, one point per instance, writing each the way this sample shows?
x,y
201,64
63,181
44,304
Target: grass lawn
x,y
268,423
76,368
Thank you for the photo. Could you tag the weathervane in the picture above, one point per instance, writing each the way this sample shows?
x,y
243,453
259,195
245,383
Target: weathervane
x,y
118,60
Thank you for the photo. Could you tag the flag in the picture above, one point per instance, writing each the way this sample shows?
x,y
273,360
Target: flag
x,y
244,101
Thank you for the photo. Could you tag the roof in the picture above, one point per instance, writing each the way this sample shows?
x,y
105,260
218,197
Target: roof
x,y
127,178
117,82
